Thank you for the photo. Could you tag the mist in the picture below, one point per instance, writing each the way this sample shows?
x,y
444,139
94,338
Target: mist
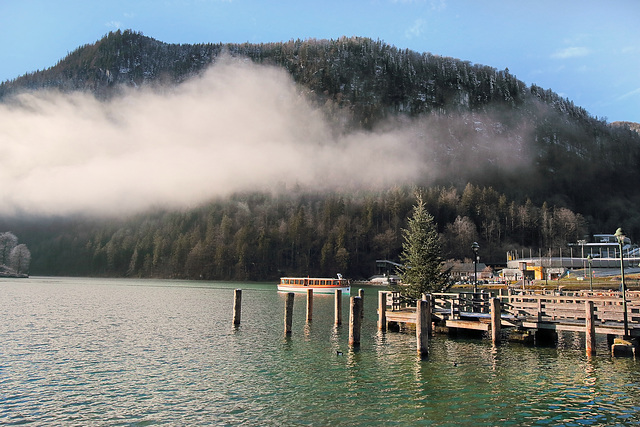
x,y
236,127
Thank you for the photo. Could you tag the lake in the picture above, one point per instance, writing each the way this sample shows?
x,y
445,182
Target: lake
x,y
77,351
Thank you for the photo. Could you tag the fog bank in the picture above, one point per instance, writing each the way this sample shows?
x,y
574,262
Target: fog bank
x,y
237,127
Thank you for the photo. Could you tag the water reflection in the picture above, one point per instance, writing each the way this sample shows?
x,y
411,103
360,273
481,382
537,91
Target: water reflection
x,y
83,351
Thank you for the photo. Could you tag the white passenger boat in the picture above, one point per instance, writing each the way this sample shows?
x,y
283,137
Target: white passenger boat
x,y
319,285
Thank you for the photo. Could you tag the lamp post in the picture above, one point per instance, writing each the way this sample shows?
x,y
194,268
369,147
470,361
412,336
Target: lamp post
x,y
589,259
475,248
620,236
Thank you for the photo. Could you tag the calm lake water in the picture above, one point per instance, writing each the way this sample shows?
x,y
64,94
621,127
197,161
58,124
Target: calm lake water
x,y
148,352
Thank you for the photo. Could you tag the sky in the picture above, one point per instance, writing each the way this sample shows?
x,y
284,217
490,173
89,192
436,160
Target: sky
x,y
587,51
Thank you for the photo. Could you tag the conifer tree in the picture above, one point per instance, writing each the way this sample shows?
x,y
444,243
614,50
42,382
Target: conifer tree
x,y
423,270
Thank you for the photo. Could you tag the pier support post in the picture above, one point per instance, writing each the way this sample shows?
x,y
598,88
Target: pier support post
x,y
539,309
309,304
355,321
429,298
590,329
288,313
496,320
422,327
338,307
237,306
382,311
361,295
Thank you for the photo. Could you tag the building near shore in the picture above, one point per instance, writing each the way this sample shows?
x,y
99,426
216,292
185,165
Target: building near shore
x,y
602,253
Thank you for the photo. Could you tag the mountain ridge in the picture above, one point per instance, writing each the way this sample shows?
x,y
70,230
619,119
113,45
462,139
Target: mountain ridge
x,y
360,83
479,126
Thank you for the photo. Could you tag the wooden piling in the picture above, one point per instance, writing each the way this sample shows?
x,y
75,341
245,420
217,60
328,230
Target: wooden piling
x,y
429,297
361,295
382,311
496,320
288,313
422,327
237,306
309,304
338,307
355,321
590,329
539,309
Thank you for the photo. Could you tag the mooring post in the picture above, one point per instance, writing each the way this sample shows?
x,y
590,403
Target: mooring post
x,y
429,298
382,311
309,304
496,320
355,321
539,309
361,295
453,308
237,306
422,327
590,328
288,313
338,307
488,302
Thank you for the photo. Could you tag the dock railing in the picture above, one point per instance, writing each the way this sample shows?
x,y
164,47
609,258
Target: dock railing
x,y
531,305
454,304
460,303
555,306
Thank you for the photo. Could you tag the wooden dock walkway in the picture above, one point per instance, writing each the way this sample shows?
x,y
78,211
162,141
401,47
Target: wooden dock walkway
x,y
526,312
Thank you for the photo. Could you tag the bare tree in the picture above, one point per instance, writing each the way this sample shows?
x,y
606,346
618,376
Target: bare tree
x,y
20,259
8,242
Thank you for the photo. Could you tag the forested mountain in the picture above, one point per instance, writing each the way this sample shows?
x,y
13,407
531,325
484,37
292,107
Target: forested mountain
x,y
522,166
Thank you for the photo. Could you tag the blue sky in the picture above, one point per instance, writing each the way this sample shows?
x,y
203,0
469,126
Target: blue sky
x,y
587,51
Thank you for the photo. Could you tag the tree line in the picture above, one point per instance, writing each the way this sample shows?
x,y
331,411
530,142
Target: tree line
x,y
259,236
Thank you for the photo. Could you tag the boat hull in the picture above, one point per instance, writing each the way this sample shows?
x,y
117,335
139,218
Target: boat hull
x,y
320,285
316,289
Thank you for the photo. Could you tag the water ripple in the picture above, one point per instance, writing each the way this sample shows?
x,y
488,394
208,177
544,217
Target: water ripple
x,y
114,352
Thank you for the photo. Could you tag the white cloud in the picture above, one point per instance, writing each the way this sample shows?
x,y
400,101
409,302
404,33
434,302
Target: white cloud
x,y
635,92
416,29
438,4
114,24
630,50
571,52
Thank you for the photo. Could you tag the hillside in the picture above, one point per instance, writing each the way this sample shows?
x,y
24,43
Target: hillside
x,y
521,147
630,125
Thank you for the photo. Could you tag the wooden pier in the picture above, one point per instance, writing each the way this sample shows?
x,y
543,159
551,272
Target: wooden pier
x,y
529,313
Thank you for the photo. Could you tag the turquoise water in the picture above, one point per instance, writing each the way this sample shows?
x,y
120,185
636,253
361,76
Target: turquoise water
x,y
148,352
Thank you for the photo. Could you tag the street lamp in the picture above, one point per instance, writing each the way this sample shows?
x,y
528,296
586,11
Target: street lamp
x,y
475,248
620,236
589,259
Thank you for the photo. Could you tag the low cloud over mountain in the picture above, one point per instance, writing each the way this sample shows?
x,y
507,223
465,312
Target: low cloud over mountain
x,y
236,127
